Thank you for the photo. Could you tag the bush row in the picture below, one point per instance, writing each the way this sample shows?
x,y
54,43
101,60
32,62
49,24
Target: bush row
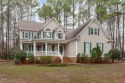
x,y
96,56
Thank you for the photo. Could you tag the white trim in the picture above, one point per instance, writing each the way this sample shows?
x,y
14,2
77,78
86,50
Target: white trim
x,y
46,48
58,49
76,47
34,48
21,46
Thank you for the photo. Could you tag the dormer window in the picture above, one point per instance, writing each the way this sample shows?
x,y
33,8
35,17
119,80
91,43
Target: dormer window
x,y
60,35
48,33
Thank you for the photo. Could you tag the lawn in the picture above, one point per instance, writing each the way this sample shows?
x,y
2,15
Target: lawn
x,y
86,73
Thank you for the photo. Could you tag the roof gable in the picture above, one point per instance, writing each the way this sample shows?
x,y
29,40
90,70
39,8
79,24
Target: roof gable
x,y
76,32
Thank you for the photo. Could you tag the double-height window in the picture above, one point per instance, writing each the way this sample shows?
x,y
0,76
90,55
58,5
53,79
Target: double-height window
x,y
47,34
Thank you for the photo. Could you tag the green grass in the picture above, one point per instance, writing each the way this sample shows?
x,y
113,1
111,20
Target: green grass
x,y
86,73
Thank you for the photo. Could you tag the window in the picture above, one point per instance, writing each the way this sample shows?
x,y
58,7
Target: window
x,y
101,46
60,35
48,33
87,47
95,31
26,47
26,35
35,35
91,31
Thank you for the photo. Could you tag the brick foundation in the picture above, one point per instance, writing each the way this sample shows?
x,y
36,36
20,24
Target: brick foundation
x,y
69,59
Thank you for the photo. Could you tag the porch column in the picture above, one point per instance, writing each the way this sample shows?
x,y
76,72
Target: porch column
x,y
58,49
34,48
21,48
46,48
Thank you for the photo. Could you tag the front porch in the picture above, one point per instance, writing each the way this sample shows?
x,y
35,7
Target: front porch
x,y
43,48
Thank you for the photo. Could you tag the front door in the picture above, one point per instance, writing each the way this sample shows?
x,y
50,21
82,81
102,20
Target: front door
x,y
61,50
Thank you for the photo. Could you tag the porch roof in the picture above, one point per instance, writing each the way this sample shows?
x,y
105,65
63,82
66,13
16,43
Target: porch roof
x,y
45,40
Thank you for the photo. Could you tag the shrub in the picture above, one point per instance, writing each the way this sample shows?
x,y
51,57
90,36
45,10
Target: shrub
x,y
93,56
78,58
83,57
21,55
37,61
98,54
30,57
46,59
106,57
114,54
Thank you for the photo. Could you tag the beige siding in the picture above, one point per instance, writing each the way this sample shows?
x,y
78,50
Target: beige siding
x,y
85,37
70,49
51,25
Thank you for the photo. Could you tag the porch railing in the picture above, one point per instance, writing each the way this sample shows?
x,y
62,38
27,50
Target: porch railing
x,y
49,53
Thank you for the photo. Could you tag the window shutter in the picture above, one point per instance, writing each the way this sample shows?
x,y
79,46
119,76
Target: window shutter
x,y
29,35
92,31
84,47
89,30
90,47
102,47
23,35
53,34
38,35
32,35
43,34
52,47
43,47
98,32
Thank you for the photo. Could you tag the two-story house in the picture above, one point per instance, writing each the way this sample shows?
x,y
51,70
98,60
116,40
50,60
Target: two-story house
x,y
53,39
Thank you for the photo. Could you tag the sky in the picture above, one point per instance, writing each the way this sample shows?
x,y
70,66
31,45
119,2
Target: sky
x,y
41,4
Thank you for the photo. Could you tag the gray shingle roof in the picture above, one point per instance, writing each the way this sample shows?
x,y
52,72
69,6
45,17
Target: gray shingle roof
x,y
28,25
74,32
